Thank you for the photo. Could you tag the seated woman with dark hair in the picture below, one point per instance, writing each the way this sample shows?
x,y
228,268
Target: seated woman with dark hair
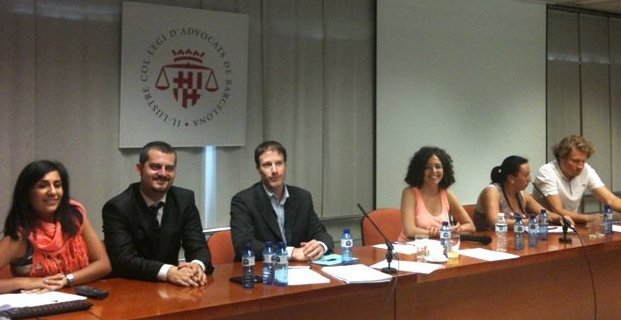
x,y
48,240
506,194
426,202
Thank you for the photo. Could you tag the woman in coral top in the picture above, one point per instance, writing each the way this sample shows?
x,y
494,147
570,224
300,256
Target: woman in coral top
x,y
48,240
426,202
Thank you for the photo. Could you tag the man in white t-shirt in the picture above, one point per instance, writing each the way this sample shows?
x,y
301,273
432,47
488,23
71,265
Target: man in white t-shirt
x,y
561,184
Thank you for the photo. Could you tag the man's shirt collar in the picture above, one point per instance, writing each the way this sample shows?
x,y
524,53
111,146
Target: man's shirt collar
x,y
272,195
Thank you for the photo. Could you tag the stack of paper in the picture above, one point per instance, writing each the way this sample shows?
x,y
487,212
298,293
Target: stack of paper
x,y
299,275
410,266
558,229
356,273
487,255
14,300
403,248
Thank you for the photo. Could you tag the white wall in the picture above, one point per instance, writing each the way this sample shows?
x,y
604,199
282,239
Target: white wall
x,y
467,76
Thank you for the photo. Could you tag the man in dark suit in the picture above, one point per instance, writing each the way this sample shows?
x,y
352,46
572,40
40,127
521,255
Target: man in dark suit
x,y
146,225
271,210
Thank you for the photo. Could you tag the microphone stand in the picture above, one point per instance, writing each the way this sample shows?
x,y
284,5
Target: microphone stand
x,y
389,254
566,225
564,239
390,248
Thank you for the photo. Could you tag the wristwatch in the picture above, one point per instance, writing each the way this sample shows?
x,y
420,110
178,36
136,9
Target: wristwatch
x,y
70,279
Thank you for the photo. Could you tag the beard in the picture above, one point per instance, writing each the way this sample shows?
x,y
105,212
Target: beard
x,y
159,185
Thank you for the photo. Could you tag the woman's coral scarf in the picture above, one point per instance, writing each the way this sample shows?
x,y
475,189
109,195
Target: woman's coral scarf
x,y
55,252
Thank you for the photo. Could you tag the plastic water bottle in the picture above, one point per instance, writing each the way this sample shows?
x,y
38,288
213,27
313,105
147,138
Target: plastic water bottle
x,y
445,237
248,267
501,233
268,263
607,220
347,243
543,225
533,231
518,230
281,274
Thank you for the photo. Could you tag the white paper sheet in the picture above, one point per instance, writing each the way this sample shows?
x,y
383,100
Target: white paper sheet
x,y
356,273
410,246
558,229
403,248
409,266
14,300
487,255
304,275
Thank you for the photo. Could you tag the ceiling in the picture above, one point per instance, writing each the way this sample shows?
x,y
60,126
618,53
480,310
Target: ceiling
x,y
613,6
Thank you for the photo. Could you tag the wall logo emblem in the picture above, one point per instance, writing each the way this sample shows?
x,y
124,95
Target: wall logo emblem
x,y
188,87
189,77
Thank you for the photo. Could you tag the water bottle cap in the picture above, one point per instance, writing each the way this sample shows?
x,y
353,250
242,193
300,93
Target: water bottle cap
x,y
346,230
501,214
268,245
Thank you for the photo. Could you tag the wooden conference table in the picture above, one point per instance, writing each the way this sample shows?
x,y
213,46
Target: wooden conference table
x,y
550,281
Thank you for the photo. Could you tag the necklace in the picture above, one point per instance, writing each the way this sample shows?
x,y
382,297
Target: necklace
x,y
509,202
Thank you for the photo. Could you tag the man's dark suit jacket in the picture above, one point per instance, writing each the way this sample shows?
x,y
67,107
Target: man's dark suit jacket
x,y
254,220
135,249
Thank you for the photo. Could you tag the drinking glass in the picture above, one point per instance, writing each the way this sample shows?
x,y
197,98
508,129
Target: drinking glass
x,y
421,237
596,227
455,241
420,241
421,251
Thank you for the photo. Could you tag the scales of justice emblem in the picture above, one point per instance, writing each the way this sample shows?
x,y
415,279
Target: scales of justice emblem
x,y
189,77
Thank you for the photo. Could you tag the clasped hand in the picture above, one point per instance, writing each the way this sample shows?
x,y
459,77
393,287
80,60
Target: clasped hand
x,y
187,274
44,284
311,250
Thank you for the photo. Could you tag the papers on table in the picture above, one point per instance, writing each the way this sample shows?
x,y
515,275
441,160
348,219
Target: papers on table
x,y
304,275
356,273
409,266
558,229
14,300
616,228
487,255
410,246
404,248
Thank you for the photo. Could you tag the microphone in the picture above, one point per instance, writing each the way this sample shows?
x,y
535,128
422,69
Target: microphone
x,y
474,238
389,246
565,222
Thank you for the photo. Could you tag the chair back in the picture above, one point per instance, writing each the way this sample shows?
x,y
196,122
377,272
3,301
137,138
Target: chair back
x,y
221,247
5,272
387,219
470,208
